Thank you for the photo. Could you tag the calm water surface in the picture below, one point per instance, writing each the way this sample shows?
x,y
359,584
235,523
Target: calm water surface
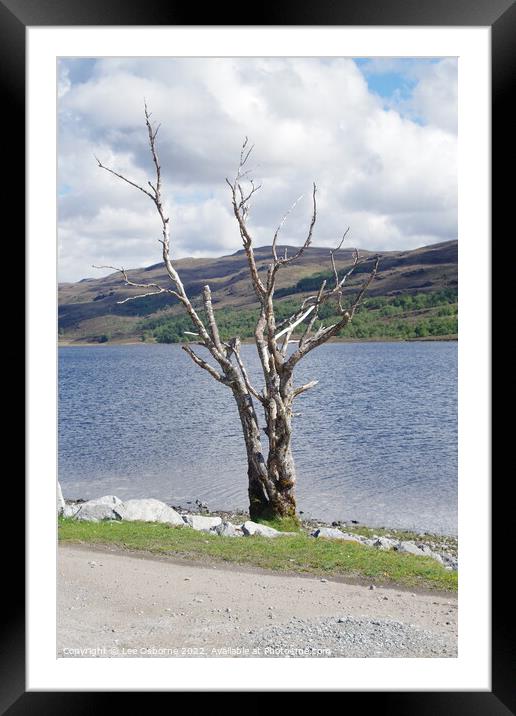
x,y
376,440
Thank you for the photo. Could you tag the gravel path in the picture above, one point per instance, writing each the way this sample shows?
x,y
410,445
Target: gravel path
x,y
113,603
353,637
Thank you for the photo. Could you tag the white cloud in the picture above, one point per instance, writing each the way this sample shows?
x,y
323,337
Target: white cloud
x,y
63,81
427,90
435,95
392,179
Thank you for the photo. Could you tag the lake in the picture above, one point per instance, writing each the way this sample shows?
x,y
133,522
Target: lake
x,y
376,440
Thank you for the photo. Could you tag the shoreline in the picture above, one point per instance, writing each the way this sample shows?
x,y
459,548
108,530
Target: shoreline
x,y
122,342
309,523
380,556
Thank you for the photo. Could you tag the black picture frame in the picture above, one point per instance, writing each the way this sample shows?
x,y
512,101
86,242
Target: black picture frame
x,y
500,16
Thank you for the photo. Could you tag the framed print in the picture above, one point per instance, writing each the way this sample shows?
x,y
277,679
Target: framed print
x,y
366,97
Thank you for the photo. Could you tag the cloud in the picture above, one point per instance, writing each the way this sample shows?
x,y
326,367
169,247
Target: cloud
x,y
387,169
435,95
425,91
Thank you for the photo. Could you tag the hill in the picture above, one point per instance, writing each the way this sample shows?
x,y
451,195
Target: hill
x,y
413,288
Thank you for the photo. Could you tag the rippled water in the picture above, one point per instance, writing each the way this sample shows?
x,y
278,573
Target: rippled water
x,y
376,440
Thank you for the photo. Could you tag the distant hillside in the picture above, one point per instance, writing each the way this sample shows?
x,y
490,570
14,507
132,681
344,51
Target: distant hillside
x,y
419,282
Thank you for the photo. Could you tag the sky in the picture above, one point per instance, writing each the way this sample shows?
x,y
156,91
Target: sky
x,y
377,135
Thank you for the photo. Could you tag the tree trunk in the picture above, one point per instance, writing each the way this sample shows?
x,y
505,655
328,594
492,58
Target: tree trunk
x,y
259,506
259,499
270,483
281,468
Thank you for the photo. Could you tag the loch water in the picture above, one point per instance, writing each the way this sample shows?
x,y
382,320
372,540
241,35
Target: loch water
x,y
375,441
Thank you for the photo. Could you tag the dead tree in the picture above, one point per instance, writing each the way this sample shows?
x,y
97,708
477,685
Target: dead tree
x,y
271,473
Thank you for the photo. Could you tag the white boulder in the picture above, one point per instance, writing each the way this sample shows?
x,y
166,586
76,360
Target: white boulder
x,y
60,500
409,548
71,510
201,522
109,500
148,510
227,529
331,533
384,543
96,511
250,529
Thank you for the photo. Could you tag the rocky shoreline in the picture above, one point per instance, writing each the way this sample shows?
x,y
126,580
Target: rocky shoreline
x,y
440,548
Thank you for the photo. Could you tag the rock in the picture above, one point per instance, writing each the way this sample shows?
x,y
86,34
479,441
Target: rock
x,y
95,511
202,523
227,529
384,543
409,548
71,510
357,538
365,540
450,562
251,529
149,510
330,533
60,500
110,500
425,549
437,557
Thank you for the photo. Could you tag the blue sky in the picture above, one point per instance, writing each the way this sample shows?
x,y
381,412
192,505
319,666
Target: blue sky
x,y
377,134
389,84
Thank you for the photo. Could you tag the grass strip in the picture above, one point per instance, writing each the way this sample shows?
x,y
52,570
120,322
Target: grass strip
x,y
300,553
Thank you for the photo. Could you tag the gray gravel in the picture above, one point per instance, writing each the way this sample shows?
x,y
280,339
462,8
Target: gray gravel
x,y
351,637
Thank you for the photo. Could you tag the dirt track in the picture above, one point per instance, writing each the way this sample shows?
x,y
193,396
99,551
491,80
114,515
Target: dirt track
x,y
116,604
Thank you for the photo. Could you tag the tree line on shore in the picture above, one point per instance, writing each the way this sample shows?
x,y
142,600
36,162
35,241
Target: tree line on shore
x,y
406,316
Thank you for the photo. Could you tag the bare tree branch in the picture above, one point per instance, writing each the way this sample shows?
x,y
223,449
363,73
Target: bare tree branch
x,y
208,308
123,178
325,334
304,388
280,262
128,282
358,300
298,320
308,239
334,251
203,364
156,198
274,254
233,348
314,316
240,201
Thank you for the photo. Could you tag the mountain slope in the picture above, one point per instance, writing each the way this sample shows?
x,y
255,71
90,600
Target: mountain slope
x,y
89,309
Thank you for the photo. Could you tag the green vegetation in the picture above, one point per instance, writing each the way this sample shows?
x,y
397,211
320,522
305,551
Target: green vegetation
x,y
299,553
282,524
406,316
